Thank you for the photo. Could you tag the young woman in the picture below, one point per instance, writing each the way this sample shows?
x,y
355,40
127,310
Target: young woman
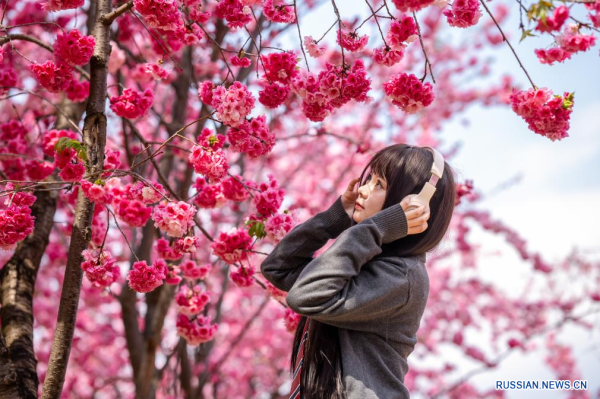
x,y
362,300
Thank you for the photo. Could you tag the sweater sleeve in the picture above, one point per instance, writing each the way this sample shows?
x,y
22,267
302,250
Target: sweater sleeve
x,y
332,288
283,265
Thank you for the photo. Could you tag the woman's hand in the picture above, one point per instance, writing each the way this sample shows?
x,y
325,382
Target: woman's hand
x,y
349,197
416,217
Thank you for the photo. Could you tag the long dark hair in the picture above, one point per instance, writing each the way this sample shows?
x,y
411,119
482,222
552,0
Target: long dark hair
x,y
406,169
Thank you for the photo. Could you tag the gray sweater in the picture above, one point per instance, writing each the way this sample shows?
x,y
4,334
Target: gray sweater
x,y
375,301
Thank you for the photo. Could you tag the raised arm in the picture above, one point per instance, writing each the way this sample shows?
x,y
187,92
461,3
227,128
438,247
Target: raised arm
x,y
297,248
332,289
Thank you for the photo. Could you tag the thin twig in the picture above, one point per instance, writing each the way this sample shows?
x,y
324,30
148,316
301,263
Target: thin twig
x,y
507,42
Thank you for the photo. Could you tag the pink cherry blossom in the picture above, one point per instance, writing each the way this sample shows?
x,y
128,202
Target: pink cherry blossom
x,y
144,278
235,188
53,77
552,55
555,21
209,196
232,104
314,49
133,212
100,268
57,5
280,67
252,138
231,246
161,14
243,62
269,198
279,11
273,95
166,251
189,244
132,104
73,172
212,164
278,225
464,13
192,271
242,276
74,48
408,92
147,194
196,331
96,192
236,14
351,41
190,302
411,5
546,114
402,31
174,218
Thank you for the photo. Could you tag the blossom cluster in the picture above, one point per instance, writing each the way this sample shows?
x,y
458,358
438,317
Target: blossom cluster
x,y
234,188
231,246
96,192
58,5
546,114
192,271
144,278
252,138
160,14
278,225
16,221
408,93
351,41
232,104
411,5
314,49
196,330
278,11
234,12
188,244
209,195
174,218
280,67
166,251
242,276
70,49
54,77
74,48
243,62
132,103
464,13
100,268
402,31
208,162
569,42
331,89
269,197
145,193
190,302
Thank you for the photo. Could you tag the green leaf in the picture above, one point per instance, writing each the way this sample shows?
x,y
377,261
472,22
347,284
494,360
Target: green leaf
x,y
66,142
526,32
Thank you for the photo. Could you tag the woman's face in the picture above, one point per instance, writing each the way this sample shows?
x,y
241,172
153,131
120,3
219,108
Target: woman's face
x,y
371,196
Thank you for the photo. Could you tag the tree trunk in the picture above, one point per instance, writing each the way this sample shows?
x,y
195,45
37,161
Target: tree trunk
x,y
94,139
18,375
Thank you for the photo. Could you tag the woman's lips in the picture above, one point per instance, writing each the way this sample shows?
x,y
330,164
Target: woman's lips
x,y
357,206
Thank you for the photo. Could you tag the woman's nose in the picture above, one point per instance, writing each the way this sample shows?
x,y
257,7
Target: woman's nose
x,y
363,190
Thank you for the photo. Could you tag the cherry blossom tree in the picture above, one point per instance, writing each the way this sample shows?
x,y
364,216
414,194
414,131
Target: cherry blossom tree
x,y
149,146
